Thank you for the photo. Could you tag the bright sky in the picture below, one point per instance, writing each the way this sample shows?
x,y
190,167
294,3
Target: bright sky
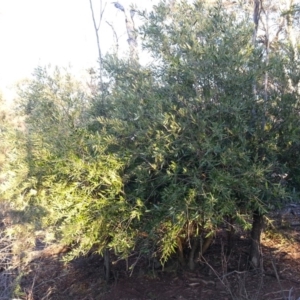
x,y
56,32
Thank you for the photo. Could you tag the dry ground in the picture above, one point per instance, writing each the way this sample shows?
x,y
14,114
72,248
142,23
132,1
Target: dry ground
x,y
47,277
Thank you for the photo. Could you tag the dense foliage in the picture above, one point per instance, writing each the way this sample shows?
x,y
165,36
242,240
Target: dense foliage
x,y
165,153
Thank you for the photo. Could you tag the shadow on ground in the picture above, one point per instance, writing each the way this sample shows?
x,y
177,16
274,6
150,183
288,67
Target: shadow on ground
x,y
214,278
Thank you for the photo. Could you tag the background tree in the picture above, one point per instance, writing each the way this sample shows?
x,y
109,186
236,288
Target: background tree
x,y
131,30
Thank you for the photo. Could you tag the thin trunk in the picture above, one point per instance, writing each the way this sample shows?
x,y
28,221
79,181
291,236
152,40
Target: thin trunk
x,y
256,18
106,264
96,28
266,79
203,244
255,251
291,37
257,218
131,31
195,245
132,37
180,255
116,39
230,234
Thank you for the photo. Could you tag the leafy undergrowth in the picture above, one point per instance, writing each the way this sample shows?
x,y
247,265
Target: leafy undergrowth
x,y
216,276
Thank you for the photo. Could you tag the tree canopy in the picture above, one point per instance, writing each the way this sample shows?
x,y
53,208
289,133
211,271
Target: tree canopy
x,y
164,153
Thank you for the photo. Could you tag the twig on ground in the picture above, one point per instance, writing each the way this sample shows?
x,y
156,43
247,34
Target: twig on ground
x,y
277,276
218,276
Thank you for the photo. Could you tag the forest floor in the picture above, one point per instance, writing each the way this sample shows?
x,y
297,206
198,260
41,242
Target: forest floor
x,y
216,276
42,274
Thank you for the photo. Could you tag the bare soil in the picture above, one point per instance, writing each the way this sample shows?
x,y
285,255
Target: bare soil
x,y
216,275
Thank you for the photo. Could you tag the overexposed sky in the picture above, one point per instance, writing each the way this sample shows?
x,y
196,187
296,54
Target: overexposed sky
x,y
56,32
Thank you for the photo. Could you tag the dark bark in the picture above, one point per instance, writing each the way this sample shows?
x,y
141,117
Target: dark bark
x,y
106,264
255,251
230,234
198,248
206,243
195,245
180,255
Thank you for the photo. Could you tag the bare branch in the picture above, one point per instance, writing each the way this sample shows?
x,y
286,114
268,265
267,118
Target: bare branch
x,y
130,27
115,36
96,28
256,17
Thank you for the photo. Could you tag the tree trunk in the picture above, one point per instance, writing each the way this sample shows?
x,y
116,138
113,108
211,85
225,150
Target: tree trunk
x,y
195,245
255,252
96,28
203,244
131,31
106,264
230,234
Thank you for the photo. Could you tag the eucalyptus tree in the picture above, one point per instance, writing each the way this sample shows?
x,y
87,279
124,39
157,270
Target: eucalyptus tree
x,y
131,30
